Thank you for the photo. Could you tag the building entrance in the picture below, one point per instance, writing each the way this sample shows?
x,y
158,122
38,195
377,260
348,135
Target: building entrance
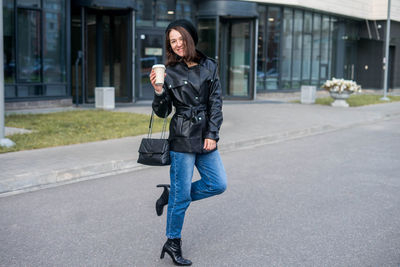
x,y
237,57
107,57
107,54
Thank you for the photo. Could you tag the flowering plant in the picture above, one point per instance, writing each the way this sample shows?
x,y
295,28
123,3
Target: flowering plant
x,y
341,86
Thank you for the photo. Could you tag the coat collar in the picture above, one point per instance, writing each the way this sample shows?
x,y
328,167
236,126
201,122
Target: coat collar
x,y
203,58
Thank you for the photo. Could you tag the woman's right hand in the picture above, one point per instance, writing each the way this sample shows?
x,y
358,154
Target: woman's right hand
x,y
157,88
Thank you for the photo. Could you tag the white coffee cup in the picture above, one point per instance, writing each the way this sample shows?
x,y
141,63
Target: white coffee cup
x,y
159,69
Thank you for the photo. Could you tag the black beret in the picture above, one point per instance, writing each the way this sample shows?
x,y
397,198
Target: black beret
x,y
187,25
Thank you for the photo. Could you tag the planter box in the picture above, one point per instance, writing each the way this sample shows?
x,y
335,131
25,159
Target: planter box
x,y
308,94
105,97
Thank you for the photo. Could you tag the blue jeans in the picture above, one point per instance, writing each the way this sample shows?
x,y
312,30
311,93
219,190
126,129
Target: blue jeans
x,y
183,191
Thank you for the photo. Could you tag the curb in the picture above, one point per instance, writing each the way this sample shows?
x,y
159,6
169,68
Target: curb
x,y
35,181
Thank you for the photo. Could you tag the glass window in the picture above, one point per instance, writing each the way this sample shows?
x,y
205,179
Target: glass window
x,y
206,31
306,71
119,44
184,9
9,91
297,46
165,12
324,49
56,90
333,46
287,47
30,90
106,80
29,65
91,61
316,56
239,58
273,48
261,56
151,52
29,3
8,40
144,16
352,29
54,65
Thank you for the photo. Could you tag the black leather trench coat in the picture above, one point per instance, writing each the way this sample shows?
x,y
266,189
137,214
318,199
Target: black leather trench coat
x,y
195,93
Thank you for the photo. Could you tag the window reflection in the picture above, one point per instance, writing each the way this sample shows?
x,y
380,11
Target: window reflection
x,y
206,31
29,3
239,59
9,91
261,57
308,43
29,63
316,57
183,9
162,12
306,71
273,50
324,49
30,90
54,46
8,40
333,47
144,16
287,48
297,46
165,12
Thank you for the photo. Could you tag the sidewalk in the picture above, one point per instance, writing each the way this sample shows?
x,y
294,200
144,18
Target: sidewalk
x,y
246,124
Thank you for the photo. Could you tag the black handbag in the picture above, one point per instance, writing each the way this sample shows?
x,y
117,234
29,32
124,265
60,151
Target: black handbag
x,y
153,151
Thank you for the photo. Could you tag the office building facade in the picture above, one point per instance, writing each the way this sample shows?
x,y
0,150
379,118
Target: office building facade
x,y
56,52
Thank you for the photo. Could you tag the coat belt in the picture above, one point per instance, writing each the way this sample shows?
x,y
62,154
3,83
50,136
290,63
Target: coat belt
x,y
190,112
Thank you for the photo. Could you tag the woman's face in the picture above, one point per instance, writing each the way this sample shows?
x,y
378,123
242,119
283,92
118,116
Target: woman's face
x,y
177,43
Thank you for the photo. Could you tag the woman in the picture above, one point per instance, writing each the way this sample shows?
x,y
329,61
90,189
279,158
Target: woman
x,y
192,86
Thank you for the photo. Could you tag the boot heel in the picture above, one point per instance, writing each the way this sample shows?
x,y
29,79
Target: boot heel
x,y
174,250
162,254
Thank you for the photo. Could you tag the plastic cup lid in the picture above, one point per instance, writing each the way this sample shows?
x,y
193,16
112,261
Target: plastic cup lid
x,y
158,66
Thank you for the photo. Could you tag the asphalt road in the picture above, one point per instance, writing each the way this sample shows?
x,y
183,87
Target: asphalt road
x,y
326,200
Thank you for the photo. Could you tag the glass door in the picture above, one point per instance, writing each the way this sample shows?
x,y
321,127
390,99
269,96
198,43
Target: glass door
x,y
350,60
237,54
107,54
151,51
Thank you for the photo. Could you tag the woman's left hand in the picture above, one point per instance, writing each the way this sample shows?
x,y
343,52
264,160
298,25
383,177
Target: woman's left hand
x,y
209,144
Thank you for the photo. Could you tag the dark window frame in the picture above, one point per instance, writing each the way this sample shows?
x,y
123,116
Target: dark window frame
x,y
21,83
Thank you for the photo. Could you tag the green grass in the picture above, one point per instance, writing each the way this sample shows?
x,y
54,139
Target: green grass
x,y
73,127
357,100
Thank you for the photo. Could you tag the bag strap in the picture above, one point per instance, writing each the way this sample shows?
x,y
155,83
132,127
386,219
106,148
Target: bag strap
x,y
151,125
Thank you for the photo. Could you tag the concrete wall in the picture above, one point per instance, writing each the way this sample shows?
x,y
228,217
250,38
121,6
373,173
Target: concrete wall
x,y
363,9
53,103
379,10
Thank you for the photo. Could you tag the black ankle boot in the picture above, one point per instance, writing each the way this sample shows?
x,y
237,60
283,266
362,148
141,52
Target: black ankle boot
x,y
173,248
163,200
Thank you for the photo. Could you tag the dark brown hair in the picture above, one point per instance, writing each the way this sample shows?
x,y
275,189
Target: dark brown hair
x,y
190,49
